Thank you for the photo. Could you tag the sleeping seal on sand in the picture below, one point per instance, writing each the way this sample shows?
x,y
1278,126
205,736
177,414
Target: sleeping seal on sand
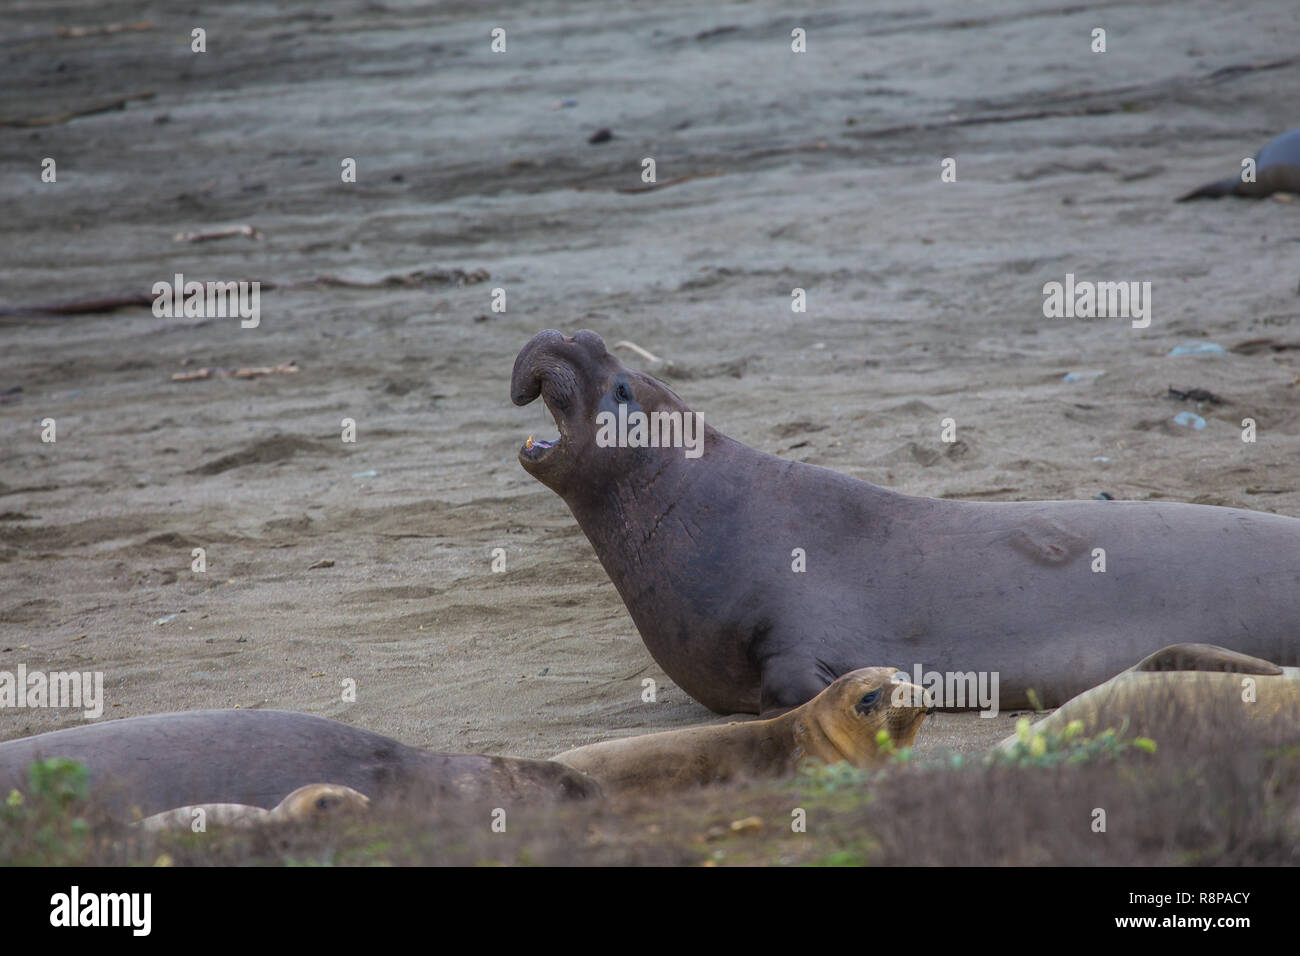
x,y
841,724
314,803
1179,684
259,757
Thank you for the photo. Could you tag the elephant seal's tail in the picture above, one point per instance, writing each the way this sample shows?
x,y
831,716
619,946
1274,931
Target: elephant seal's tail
x,y
1214,190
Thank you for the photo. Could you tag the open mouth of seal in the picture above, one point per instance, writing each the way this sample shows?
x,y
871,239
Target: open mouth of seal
x,y
535,449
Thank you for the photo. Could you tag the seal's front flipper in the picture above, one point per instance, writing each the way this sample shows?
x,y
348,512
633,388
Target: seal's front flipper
x,y
787,684
1205,657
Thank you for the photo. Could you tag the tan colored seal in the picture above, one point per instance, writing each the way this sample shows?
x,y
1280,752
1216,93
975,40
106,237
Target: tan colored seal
x,y
316,802
839,724
1182,679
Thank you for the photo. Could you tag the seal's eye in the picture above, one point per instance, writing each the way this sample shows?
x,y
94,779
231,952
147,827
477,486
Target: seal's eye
x,y
867,702
622,393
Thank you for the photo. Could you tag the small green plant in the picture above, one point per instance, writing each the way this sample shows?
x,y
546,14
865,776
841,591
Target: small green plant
x,y
43,827
59,781
896,754
832,777
1029,750
1068,746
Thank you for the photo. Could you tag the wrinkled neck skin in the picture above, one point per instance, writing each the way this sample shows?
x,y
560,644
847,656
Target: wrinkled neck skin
x,y
659,525
770,748
810,739
784,731
697,547
630,520
665,532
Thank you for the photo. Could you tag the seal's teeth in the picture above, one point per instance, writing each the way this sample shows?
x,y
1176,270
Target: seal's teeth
x,y
529,444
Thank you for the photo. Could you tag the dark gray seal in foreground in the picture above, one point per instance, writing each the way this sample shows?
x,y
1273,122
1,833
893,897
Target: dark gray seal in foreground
x,y
1277,170
258,757
700,549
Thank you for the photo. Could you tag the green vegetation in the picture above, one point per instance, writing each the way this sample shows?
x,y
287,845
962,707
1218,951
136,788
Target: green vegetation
x,y
44,826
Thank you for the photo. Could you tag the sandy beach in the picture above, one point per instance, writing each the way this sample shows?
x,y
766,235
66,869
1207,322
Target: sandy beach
x,y
819,171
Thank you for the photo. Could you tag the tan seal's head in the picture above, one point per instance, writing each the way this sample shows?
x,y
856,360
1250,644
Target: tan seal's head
x,y
320,802
842,722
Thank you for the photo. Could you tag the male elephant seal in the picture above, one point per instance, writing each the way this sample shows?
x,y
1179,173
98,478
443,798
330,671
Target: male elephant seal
x,y
1277,170
700,549
314,803
1185,687
840,724
258,757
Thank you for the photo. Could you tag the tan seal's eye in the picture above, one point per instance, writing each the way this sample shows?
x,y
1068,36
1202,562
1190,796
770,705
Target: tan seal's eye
x,y
868,701
622,393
